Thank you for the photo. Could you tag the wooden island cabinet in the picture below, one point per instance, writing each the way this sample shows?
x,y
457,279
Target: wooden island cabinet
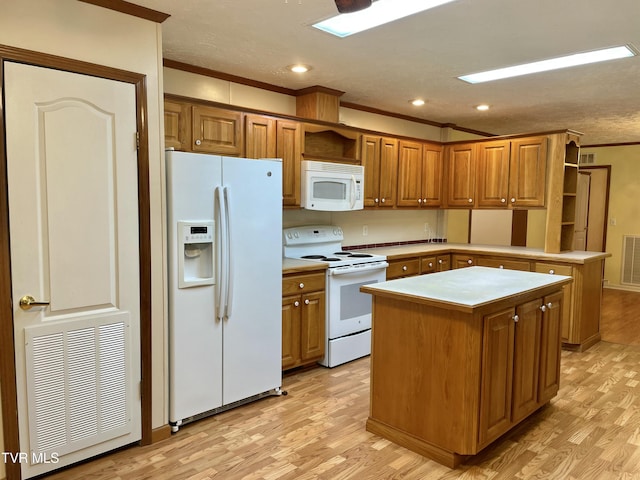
x,y
462,356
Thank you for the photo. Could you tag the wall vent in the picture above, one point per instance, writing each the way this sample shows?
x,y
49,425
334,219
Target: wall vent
x,y
631,260
587,158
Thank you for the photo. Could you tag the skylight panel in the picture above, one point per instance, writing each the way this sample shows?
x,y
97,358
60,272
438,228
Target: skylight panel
x,y
551,64
379,13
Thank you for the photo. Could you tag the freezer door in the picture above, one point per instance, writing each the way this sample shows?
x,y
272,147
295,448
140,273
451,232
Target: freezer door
x,y
252,323
195,336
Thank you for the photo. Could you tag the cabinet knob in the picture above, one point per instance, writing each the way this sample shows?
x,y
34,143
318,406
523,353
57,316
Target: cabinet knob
x,y
516,318
301,285
543,308
552,271
306,301
513,200
440,262
501,266
430,264
404,268
549,305
503,200
470,262
382,200
376,200
471,200
296,303
419,200
198,142
424,200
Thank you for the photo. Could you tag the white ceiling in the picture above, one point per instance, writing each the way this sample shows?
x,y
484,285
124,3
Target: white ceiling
x,y
421,56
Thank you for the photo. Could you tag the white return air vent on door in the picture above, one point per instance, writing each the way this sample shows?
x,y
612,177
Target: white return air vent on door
x,y
631,260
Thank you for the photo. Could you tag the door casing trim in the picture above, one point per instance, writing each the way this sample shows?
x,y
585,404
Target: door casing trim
x,y
8,393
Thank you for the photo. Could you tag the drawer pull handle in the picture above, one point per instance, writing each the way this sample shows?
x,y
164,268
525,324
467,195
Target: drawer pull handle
x,y
296,303
552,271
404,268
301,285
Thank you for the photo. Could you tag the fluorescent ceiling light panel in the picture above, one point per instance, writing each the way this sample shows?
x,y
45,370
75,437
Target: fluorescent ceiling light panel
x,y
379,13
552,64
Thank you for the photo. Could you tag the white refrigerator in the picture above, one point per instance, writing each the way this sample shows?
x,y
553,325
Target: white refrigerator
x,y
225,282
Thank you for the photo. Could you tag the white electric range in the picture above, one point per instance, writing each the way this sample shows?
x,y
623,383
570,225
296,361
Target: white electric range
x,y
348,311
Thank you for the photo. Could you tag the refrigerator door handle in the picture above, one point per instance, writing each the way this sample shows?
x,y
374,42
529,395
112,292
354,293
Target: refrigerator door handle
x,y
222,261
230,269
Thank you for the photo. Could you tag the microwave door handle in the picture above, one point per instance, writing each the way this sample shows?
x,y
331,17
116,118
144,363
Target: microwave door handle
x,y
353,191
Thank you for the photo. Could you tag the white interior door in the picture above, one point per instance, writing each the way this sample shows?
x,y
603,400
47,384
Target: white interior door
x,y
72,174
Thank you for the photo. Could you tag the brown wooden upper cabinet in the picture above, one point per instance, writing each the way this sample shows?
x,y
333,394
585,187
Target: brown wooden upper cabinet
x,y
512,173
461,174
379,156
267,137
215,130
420,170
177,125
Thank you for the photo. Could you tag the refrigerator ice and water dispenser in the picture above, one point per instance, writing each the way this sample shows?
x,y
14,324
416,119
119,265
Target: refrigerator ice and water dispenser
x,y
195,254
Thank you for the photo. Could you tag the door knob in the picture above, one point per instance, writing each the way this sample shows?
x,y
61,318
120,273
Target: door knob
x,y
28,301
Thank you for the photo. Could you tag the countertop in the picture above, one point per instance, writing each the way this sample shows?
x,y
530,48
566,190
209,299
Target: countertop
x,y
293,265
401,251
466,288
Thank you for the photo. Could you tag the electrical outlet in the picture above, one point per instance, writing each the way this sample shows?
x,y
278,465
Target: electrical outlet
x,y
365,230
612,222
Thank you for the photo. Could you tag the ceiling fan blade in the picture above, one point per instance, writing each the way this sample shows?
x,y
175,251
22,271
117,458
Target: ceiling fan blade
x,y
349,6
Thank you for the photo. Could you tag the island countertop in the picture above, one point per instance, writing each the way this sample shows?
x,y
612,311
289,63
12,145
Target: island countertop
x,y
466,288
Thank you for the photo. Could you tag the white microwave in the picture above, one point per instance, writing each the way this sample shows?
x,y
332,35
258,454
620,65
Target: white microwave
x,y
332,187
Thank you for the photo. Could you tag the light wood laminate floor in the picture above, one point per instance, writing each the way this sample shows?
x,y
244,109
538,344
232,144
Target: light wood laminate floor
x,y
590,431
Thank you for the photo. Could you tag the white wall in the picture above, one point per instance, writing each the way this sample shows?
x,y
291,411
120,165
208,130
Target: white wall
x,y
77,30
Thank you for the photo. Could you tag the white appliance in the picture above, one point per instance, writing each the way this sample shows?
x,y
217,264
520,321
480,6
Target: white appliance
x,y
331,186
225,282
348,321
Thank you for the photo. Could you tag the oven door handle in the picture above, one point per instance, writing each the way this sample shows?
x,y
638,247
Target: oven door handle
x,y
367,268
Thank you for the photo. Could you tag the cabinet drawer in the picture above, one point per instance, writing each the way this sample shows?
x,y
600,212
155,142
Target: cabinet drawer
x,y
428,265
403,268
504,263
554,268
310,282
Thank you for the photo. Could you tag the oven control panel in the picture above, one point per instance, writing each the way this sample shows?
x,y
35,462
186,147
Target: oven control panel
x,y
312,234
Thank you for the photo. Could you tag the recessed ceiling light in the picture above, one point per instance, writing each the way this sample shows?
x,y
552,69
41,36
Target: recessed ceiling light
x,y
551,64
379,13
482,107
299,68
418,102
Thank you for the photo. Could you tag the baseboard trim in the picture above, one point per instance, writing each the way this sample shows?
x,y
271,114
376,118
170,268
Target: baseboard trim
x,y
161,433
622,287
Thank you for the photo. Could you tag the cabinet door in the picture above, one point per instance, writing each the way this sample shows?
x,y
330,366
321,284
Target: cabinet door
x,y
459,260
405,267
388,178
177,125
444,262
569,333
497,375
291,312
493,174
289,149
432,169
259,136
312,327
527,172
215,130
550,348
461,175
526,359
409,174
370,156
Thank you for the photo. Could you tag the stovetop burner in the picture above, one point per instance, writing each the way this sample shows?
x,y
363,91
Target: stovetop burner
x,y
322,243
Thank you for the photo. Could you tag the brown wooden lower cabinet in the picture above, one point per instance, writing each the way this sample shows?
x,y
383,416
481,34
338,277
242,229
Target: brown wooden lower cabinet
x,y
447,400
303,319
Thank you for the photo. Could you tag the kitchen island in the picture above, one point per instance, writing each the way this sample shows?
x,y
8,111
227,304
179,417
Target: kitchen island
x,y
462,356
